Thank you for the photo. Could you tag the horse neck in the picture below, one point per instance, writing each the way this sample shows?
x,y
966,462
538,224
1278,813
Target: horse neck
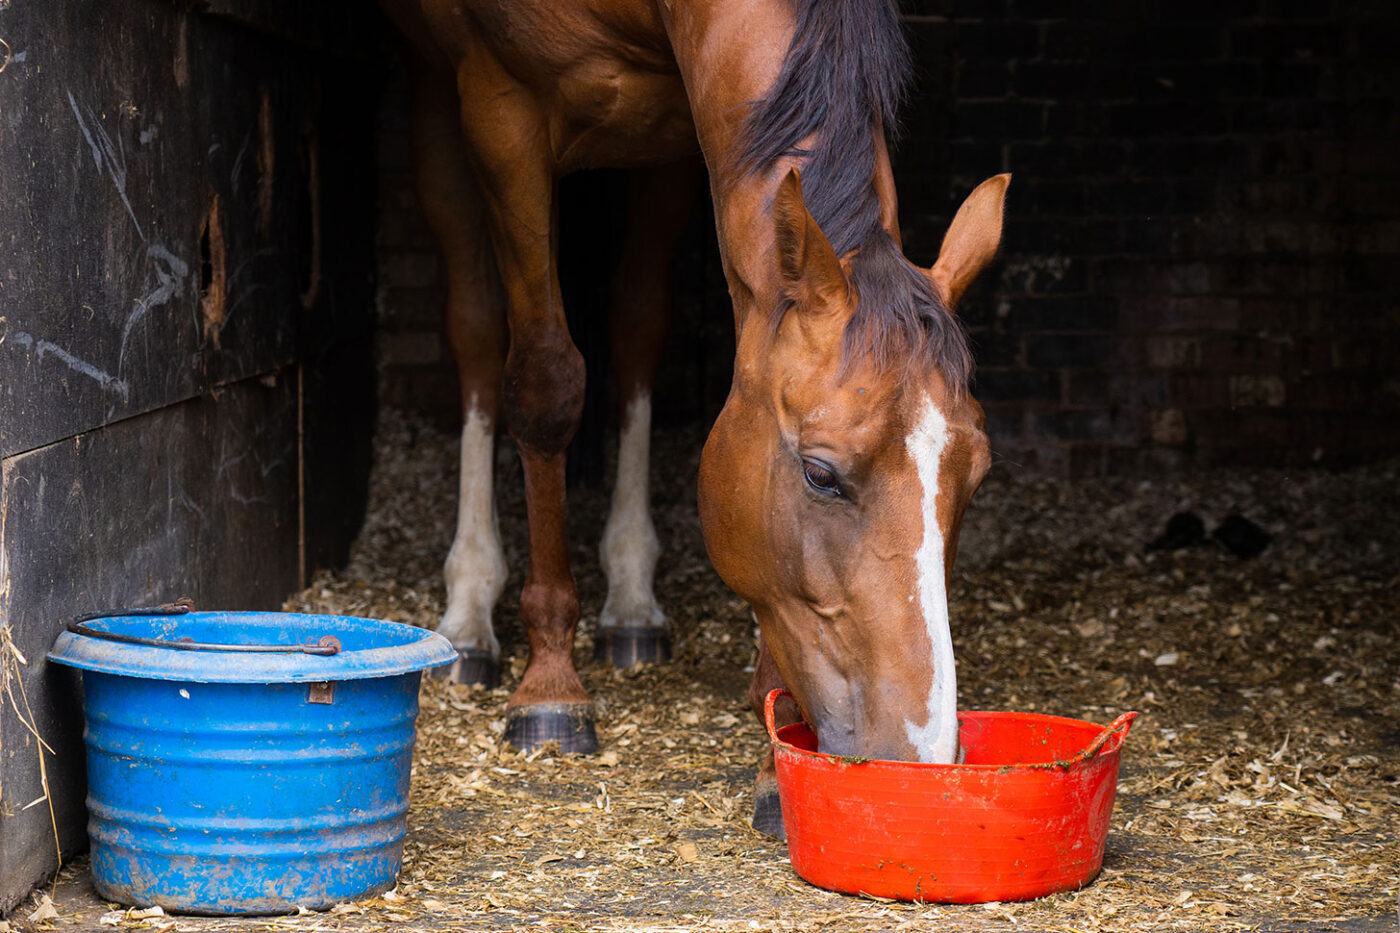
x,y
730,52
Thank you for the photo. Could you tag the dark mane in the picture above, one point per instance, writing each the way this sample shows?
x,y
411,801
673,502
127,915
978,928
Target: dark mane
x,y
844,75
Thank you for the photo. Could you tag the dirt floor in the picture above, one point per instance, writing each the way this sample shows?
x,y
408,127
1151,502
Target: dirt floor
x,y
1260,789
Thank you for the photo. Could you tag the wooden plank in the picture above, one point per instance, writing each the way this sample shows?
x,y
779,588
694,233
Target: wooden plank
x,y
155,211
186,225
195,499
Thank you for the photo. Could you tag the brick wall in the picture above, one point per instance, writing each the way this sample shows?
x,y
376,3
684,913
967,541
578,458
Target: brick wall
x,y
1202,254
415,365
1201,262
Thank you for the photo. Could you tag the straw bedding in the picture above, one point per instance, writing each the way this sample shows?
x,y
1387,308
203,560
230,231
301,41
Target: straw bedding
x,y
1260,789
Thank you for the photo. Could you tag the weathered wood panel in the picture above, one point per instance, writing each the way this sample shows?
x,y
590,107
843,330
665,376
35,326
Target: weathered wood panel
x,y
196,499
156,169
186,305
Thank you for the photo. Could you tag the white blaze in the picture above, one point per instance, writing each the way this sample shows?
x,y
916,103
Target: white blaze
x,y
476,565
937,739
629,548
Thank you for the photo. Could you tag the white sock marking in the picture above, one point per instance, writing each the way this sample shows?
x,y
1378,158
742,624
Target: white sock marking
x,y
937,739
475,570
629,548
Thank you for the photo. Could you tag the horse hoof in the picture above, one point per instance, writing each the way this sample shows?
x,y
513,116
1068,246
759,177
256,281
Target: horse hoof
x,y
535,725
625,647
768,814
473,666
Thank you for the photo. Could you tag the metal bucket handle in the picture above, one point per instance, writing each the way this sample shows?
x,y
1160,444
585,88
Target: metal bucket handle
x,y
326,646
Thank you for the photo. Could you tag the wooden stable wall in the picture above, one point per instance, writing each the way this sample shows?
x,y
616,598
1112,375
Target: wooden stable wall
x,y
186,384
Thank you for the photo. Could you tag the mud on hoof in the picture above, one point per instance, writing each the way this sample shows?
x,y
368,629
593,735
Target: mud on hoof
x,y
473,666
624,647
768,814
533,725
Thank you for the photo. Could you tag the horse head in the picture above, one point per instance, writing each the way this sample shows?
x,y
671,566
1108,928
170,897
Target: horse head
x,y
833,484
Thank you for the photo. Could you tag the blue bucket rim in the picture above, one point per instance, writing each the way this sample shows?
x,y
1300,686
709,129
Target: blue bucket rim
x,y
415,649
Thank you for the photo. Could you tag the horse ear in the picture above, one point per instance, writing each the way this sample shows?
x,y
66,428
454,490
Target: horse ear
x,y
972,239
805,257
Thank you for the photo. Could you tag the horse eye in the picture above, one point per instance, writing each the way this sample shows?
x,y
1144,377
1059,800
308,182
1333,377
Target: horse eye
x,y
821,478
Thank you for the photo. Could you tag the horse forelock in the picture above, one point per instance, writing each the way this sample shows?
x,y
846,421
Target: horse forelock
x,y
900,323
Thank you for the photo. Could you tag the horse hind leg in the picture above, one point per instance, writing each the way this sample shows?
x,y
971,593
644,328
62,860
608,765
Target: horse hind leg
x,y
632,628
475,569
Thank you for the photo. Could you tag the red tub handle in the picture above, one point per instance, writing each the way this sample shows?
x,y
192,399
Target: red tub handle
x,y
768,705
1111,738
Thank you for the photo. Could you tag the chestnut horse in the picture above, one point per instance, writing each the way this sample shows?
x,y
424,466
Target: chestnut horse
x,y
833,484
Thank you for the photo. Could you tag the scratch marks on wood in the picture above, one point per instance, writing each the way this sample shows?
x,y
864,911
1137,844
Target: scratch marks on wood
x,y
170,272
46,348
106,155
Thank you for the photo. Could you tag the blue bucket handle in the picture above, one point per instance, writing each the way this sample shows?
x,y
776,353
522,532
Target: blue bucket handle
x,y
328,644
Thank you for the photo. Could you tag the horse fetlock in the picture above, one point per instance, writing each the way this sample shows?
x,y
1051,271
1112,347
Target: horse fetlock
x,y
632,610
631,604
467,624
475,578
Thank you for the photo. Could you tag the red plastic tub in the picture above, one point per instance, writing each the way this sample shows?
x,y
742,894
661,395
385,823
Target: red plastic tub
x,y
1025,815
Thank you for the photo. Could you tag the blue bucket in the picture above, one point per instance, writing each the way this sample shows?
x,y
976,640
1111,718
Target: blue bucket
x,y
251,781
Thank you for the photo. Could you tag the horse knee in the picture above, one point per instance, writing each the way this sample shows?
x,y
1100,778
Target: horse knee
x,y
543,394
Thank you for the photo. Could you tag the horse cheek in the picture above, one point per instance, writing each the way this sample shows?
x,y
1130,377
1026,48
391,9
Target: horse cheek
x,y
729,516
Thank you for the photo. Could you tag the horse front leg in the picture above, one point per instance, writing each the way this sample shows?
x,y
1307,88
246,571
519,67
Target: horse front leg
x,y
542,393
632,628
475,570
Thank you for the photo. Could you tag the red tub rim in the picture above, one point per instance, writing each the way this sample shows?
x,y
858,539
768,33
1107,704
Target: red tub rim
x,y
1109,740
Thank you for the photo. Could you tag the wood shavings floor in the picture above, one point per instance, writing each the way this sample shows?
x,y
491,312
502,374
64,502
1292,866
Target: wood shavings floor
x,y
1260,790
